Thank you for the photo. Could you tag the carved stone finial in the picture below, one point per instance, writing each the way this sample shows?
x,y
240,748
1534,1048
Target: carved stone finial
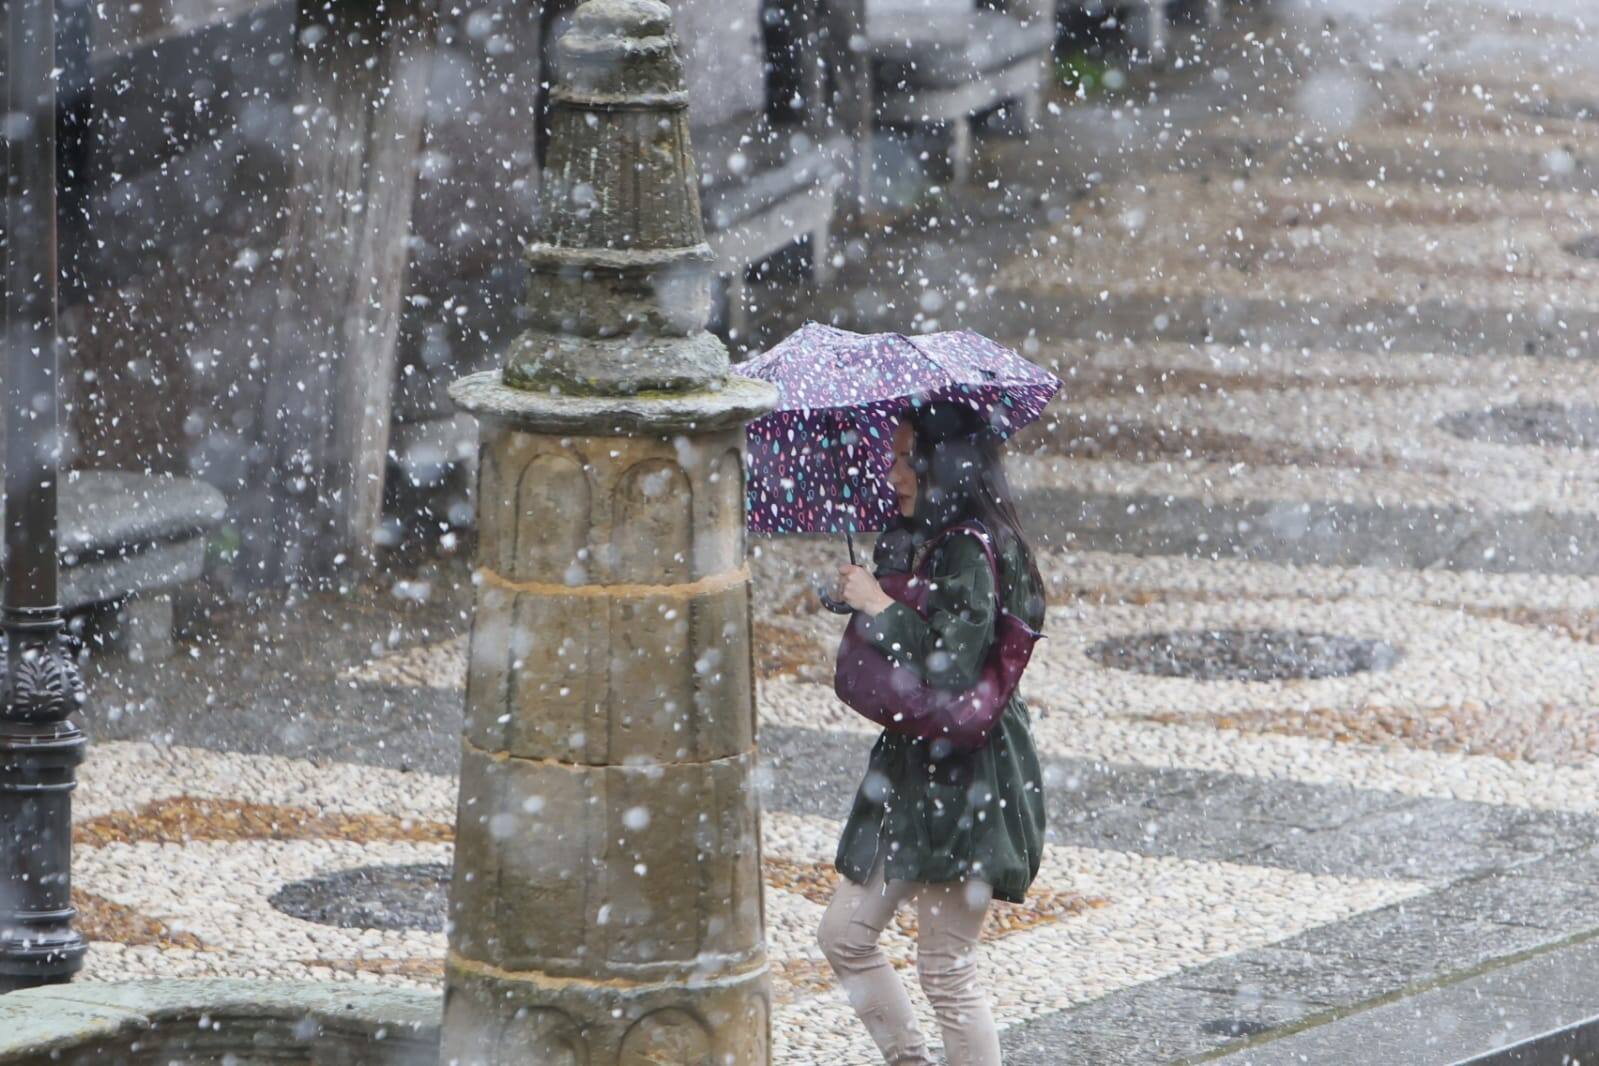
x,y
622,52
620,292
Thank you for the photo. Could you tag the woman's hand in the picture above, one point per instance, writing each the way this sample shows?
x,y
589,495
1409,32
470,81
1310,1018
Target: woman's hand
x,y
858,588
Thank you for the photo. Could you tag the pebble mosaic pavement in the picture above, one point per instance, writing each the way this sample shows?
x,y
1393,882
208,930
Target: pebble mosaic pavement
x,y
199,882
1225,857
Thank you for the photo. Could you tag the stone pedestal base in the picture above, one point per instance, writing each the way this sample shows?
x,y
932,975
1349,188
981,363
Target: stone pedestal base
x,y
526,1019
607,901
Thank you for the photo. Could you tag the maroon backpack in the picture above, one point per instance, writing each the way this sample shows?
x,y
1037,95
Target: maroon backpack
x,y
901,701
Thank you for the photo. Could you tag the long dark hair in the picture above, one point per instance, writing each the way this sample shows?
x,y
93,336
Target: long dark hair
x,y
960,475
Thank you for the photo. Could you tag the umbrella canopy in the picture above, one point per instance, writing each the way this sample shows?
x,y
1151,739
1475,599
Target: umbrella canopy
x,y
819,462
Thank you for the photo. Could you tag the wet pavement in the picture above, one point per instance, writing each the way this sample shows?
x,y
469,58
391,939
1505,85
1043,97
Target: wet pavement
x,y
1319,517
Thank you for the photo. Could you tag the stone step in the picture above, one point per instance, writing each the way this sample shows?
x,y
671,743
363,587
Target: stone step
x,y
1531,1009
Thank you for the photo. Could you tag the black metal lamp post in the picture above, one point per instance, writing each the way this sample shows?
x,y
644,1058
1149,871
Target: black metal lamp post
x,y
40,746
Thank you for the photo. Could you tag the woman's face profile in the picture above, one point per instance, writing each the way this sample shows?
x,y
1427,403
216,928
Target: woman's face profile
x,y
901,475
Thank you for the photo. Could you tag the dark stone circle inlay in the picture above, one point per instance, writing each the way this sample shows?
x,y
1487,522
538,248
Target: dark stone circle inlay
x,y
1545,423
1244,654
1584,247
371,897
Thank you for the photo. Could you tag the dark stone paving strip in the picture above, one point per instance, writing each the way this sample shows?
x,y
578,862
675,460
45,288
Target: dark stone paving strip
x,y
1568,1045
392,728
1460,928
1192,814
1150,1023
1204,815
1320,533
1541,1010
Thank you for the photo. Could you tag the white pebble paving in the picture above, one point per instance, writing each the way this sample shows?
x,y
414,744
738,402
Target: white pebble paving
x,y
127,774
220,892
1237,579
1162,915
1446,657
1390,243
1064,731
1374,428
440,664
1062,728
1267,367
1222,482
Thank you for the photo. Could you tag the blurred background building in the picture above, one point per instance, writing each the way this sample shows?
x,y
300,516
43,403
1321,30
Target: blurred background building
x,y
286,226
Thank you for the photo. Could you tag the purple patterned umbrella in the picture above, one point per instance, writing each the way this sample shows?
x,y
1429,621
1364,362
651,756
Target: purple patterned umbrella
x,y
819,463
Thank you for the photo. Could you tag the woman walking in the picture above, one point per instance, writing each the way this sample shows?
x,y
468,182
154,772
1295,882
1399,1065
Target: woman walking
x,y
948,830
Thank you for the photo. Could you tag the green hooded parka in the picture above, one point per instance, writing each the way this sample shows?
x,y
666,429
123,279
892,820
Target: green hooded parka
x,y
973,815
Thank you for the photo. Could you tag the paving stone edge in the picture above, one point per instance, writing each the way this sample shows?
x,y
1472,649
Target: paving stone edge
x,y
1330,1017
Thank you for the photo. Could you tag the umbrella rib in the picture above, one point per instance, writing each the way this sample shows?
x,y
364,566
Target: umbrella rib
x,y
946,371
917,348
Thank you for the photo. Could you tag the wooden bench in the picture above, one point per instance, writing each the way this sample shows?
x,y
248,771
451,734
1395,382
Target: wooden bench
x,y
941,63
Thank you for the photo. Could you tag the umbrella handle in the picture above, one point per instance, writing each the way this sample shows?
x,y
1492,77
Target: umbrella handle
x,y
833,605
849,538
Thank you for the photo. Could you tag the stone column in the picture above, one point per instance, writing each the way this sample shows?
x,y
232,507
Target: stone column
x,y
607,901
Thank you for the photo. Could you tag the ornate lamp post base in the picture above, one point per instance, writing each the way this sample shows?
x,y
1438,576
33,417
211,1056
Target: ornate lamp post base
x,y
40,749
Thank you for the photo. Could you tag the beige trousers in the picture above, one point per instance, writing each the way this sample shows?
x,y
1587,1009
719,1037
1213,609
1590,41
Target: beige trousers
x,y
948,921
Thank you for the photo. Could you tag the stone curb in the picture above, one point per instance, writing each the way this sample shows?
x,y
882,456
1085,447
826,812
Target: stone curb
x,y
1542,1008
